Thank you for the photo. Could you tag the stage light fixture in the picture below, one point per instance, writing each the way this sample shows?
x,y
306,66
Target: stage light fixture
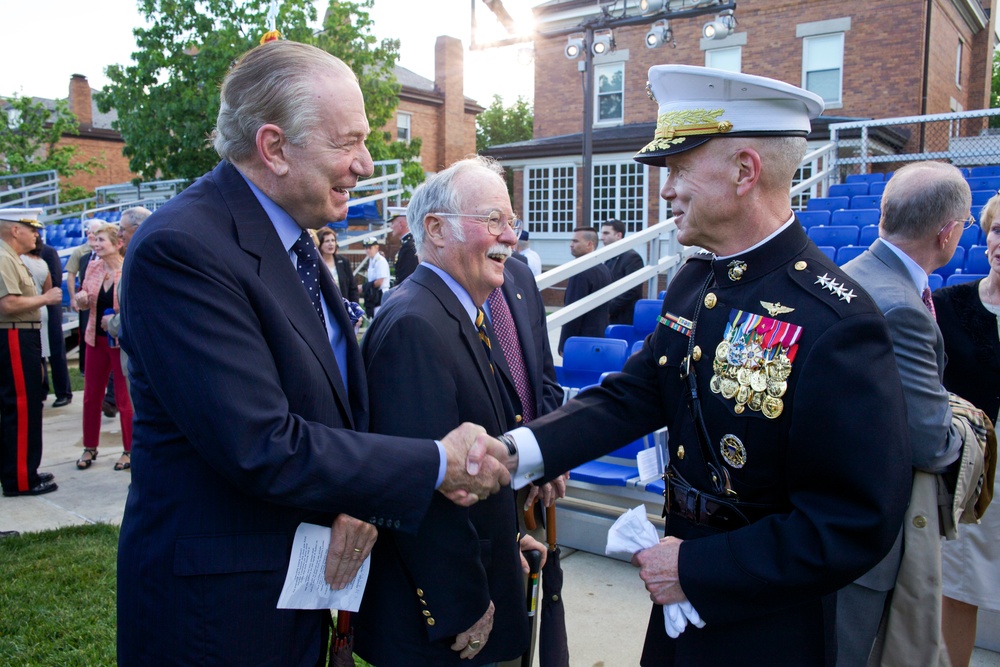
x,y
648,7
722,27
660,33
604,42
574,45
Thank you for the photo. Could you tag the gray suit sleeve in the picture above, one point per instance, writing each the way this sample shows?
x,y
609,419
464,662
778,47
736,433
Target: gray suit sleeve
x,y
935,441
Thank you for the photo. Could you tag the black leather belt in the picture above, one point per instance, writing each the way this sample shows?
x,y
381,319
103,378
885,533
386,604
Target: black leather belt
x,y
20,325
706,509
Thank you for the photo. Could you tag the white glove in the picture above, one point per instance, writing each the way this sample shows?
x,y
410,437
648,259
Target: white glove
x,y
633,532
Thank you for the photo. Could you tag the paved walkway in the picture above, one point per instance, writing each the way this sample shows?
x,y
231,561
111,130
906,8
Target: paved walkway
x,y
606,604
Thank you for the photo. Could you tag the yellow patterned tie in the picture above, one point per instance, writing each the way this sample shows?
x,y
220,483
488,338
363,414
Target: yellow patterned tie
x,y
483,336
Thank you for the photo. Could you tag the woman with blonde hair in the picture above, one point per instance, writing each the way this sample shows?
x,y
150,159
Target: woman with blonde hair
x,y
968,315
99,293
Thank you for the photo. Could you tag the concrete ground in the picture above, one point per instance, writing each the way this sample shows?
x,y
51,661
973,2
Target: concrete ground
x,y
606,604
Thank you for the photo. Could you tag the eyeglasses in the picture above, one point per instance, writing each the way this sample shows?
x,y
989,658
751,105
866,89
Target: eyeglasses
x,y
496,223
966,224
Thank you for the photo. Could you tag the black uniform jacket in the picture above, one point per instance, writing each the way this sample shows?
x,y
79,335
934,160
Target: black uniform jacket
x,y
828,454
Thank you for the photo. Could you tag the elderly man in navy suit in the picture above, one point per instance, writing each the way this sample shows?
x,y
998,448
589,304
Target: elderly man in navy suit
x,y
250,394
455,589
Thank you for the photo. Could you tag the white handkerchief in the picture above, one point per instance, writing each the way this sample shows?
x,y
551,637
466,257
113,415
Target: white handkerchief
x,y
631,532
634,532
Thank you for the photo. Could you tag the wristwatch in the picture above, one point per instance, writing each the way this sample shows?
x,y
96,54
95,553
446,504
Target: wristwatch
x,y
508,441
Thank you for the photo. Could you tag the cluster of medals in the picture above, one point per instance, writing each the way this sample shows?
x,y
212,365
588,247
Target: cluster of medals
x,y
753,362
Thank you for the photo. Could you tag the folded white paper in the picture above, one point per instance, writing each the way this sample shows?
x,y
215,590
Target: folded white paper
x,y
634,532
305,587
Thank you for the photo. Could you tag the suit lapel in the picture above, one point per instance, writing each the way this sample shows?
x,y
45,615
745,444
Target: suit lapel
x,y
468,333
257,237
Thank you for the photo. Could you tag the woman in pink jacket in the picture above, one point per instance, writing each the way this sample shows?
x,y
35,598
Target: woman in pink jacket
x,y
99,293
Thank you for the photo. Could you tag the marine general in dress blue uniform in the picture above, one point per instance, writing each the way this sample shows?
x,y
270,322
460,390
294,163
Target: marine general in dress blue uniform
x,y
774,374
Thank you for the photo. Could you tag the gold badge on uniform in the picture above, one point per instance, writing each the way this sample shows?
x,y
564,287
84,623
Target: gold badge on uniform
x,y
733,451
753,363
736,270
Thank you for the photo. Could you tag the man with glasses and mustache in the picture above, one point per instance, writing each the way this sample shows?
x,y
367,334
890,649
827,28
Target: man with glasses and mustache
x,y
454,590
925,208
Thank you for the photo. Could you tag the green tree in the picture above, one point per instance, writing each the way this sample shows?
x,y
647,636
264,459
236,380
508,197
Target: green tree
x,y
167,98
29,139
503,125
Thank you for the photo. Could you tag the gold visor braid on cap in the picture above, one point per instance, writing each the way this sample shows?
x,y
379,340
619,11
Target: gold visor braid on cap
x,y
673,127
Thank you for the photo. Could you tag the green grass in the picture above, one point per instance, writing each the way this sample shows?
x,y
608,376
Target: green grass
x,y
57,598
57,593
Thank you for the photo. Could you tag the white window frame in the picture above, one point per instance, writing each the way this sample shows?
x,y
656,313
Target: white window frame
x,y
611,67
408,125
958,63
619,191
808,33
810,44
549,199
728,51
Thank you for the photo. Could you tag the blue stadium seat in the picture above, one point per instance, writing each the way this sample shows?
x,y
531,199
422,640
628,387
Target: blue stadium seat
x,y
657,487
970,237
956,263
368,211
612,470
860,217
984,183
829,251
585,358
991,171
956,278
813,218
976,260
934,281
828,203
644,316
866,201
979,199
865,178
625,332
868,235
848,189
877,188
836,236
662,295
637,345
848,252
604,474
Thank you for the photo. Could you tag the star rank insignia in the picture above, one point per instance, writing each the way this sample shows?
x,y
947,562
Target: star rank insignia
x,y
837,289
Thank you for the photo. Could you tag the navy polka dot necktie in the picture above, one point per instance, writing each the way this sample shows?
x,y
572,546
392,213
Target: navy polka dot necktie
x,y
308,269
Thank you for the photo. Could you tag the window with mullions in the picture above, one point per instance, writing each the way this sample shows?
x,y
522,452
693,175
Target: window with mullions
x,y
823,66
609,80
551,199
620,192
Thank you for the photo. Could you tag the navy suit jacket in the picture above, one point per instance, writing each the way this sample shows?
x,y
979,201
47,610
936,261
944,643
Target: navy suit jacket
x,y
428,371
243,430
592,323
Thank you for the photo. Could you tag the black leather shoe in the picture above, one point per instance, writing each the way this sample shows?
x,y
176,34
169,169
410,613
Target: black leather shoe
x,y
45,477
43,487
61,402
110,410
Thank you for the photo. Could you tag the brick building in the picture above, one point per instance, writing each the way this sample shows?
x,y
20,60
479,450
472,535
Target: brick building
x,y
437,111
884,59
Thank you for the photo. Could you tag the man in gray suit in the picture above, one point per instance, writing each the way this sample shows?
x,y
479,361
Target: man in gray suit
x,y
924,207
